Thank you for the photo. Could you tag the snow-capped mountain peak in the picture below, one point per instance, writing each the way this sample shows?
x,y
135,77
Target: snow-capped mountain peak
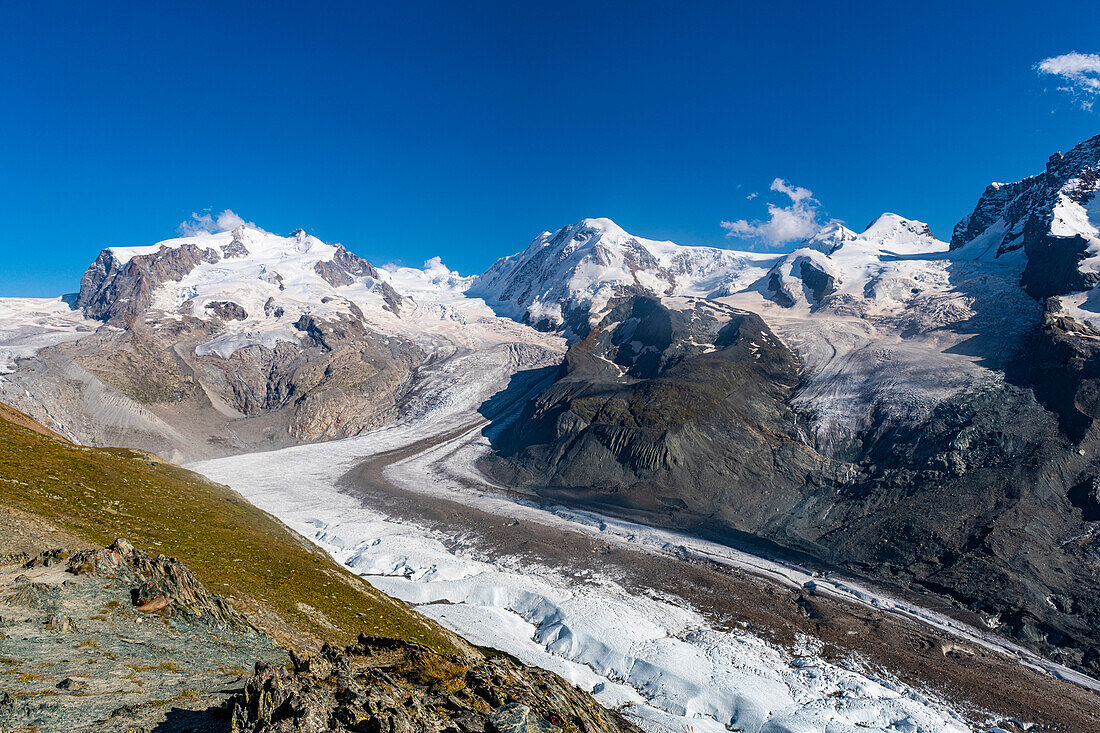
x,y
882,267
566,276
830,238
249,280
1049,222
1054,202
895,233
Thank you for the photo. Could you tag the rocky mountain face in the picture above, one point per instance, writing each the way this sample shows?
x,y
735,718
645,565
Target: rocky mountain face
x,y
114,639
389,685
225,342
668,409
1048,220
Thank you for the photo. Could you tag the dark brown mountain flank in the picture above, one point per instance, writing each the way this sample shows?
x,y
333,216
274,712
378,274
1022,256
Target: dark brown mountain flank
x,y
671,413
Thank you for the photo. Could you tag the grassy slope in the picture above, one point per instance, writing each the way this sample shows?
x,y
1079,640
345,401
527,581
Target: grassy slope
x,y
292,589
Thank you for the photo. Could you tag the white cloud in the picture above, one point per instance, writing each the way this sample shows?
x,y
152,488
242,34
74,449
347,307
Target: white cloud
x,y
435,266
784,224
1079,73
207,223
797,193
752,195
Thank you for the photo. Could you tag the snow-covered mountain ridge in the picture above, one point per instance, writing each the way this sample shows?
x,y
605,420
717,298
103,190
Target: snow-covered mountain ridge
x,y
233,340
566,280
1050,222
564,277
246,277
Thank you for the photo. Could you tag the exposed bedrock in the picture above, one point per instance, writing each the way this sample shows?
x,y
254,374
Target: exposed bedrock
x,y
110,290
679,414
146,387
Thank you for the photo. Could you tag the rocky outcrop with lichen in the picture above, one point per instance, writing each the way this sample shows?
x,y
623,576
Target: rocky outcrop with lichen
x,y
400,687
115,639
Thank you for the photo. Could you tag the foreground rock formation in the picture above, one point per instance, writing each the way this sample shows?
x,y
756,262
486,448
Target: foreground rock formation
x,y
114,639
386,685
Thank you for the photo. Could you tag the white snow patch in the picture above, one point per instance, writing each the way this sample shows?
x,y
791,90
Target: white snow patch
x,y
28,325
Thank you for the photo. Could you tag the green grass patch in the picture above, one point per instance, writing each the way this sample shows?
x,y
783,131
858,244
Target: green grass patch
x,y
286,585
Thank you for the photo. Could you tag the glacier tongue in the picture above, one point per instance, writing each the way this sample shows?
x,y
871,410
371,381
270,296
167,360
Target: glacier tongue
x,y
663,662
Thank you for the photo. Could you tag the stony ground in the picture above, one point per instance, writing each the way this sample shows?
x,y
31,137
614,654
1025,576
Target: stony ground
x,y
91,642
401,687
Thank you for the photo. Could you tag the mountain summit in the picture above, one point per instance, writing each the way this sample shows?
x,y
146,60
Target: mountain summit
x,y
250,273
563,277
1050,221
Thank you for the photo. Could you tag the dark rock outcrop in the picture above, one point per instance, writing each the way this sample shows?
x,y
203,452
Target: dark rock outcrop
x,y
672,415
227,310
819,282
1053,263
113,291
158,584
1064,370
345,268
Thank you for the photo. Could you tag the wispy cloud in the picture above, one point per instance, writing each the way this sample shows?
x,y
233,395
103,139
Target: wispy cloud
x,y
1079,74
208,223
784,224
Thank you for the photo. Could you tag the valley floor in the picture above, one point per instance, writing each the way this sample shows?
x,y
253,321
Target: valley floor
x,y
684,634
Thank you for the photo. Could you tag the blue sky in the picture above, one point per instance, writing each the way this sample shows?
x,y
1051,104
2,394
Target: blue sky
x,y
408,130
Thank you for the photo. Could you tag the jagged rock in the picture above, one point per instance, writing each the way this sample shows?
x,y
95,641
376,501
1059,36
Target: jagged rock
x,y
1015,204
92,663
158,584
394,686
110,290
1029,219
236,247
227,310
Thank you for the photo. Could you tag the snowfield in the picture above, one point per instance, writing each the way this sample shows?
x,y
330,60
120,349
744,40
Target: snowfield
x,y
28,325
